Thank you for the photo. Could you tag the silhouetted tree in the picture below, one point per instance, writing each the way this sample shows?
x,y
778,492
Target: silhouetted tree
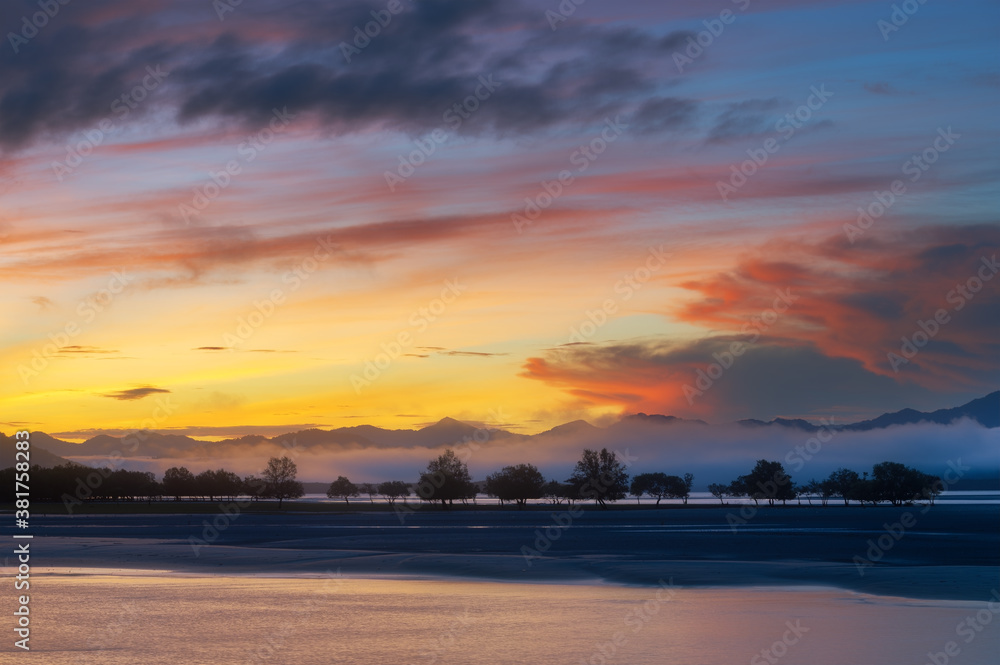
x,y
899,484
204,485
719,491
767,481
737,489
446,479
371,489
599,476
124,485
653,484
394,489
680,488
864,491
810,490
279,480
227,484
178,482
516,483
661,486
343,488
252,486
842,482
558,491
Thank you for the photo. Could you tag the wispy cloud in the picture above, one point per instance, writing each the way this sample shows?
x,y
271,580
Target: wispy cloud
x,y
43,303
481,354
135,393
75,349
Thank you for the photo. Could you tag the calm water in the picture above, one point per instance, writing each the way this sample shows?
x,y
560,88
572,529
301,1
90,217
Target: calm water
x,y
977,497
170,619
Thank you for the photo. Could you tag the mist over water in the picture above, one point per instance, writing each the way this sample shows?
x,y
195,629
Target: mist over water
x,y
712,454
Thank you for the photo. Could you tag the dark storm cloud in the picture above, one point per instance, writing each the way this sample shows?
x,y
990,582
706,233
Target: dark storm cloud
x,y
830,347
270,55
774,377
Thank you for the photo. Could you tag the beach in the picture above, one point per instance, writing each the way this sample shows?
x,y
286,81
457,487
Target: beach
x,y
559,585
936,552
168,618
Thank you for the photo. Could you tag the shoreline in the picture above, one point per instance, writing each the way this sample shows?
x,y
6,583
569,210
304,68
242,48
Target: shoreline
x,y
91,556
947,552
804,587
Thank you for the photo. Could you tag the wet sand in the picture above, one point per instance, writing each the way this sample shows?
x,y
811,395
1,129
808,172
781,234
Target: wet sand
x,y
947,552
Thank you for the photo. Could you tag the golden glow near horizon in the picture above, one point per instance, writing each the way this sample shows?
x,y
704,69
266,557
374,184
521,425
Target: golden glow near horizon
x,y
223,263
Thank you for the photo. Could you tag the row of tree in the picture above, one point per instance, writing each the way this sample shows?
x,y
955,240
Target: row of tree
x,y
890,482
77,483
599,476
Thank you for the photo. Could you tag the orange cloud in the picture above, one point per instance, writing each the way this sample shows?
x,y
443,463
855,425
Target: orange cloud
x,y
824,318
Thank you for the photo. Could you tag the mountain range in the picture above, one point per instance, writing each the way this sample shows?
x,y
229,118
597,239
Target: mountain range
x,y
985,411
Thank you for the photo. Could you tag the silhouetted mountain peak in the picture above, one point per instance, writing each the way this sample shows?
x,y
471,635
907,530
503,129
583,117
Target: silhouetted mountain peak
x,y
657,419
451,432
798,423
983,410
794,423
574,427
447,421
39,456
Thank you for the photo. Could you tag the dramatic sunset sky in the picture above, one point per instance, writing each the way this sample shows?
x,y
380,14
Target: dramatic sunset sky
x,y
136,292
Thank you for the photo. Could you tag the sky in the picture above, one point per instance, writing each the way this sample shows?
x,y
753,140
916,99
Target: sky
x,y
227,218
